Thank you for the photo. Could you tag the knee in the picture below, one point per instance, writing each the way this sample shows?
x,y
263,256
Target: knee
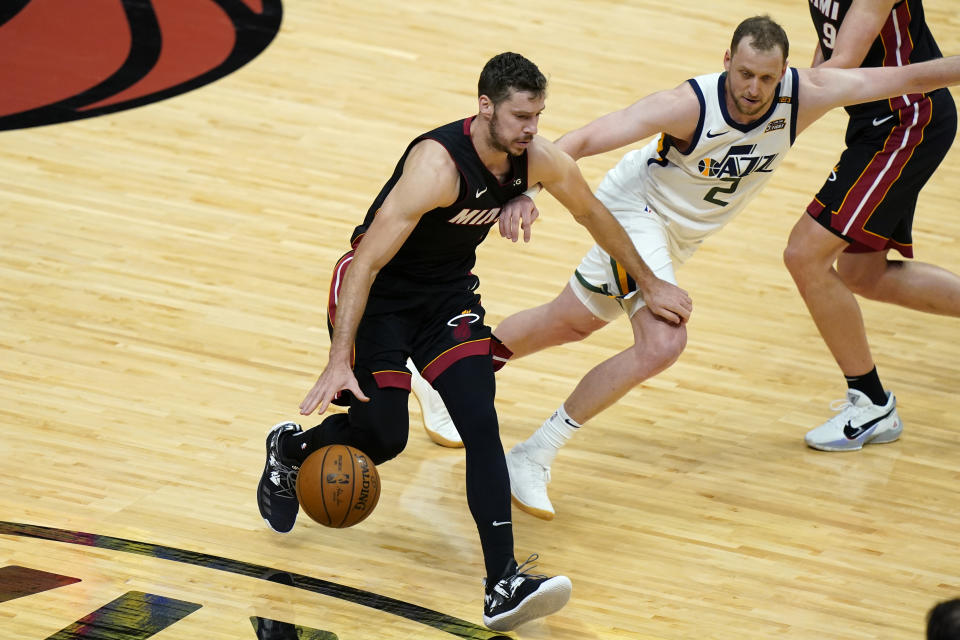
x,y
659,353
796,261
387,446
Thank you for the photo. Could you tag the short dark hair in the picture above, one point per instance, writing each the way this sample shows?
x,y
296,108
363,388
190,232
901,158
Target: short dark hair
x,y
507,71
766,35
943,621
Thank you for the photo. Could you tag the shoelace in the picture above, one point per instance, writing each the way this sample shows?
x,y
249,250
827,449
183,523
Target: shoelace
x,y
840,405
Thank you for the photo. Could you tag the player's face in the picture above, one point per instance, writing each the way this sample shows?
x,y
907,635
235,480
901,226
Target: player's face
x,y
514,122
752,78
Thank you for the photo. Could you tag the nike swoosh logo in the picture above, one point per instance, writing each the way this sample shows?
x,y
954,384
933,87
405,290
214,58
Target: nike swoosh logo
x,y
480,192
851,432
879,121
711,134
570,423
497,523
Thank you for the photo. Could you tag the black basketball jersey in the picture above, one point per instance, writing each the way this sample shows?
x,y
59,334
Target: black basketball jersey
x,y
904,39
442,247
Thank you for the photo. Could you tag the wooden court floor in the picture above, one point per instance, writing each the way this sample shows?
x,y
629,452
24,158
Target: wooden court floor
x,y
163,281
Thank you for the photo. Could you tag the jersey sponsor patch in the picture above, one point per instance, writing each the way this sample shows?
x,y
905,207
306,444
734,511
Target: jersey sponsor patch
x,y
776,125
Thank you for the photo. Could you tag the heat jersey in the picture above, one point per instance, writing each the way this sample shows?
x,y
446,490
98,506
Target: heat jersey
x,y
700,189
442,246
904,39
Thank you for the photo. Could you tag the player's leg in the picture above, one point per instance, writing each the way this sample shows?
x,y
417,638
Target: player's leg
x,y
657,345
564,319
513,596
915,285
810,254
601,291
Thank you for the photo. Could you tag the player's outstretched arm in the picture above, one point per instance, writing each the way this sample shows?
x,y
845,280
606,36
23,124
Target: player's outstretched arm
x,y
560,176
429,180
822,89
674,112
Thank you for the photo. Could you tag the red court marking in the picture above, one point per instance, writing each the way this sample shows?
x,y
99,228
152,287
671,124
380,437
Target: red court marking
x,y
60,49
255,5
197,37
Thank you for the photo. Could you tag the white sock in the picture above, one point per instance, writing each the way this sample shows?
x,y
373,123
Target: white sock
x,y
546,441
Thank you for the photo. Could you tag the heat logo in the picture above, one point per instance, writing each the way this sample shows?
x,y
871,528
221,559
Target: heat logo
x,y
461,324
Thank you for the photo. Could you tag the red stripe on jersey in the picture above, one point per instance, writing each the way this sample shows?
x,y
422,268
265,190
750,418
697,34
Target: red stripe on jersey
x,y
440,364
884,169
898,47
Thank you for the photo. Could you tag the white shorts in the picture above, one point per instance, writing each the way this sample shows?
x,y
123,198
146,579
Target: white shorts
x,y
601,284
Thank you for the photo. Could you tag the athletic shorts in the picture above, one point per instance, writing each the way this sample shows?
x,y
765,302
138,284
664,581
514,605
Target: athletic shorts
x,y
603,286
434,325
871,194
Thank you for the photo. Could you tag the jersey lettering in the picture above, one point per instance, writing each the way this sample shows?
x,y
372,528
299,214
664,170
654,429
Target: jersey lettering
x,y
475,216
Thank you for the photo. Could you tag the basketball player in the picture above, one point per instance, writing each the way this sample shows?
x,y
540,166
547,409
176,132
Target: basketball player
x,y
406,290
865,209
721,137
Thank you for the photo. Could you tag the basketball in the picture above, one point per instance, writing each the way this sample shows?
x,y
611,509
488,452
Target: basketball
x,y
338,486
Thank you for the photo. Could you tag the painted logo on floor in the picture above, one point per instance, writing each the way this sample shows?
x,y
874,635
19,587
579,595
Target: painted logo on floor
x,y
70,60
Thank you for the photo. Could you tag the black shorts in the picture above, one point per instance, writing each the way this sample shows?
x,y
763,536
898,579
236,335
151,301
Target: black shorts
x,y
871,194
434,324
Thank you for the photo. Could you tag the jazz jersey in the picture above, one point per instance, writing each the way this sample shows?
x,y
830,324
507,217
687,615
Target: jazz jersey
x,y
697,190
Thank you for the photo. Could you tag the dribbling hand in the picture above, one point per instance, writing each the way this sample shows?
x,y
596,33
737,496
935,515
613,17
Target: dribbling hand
x,y
334,379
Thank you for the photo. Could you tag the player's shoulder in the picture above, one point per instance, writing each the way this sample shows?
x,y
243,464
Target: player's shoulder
x,y
429,157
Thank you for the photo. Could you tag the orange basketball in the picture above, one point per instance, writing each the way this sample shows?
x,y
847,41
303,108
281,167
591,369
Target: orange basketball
x,y
338,486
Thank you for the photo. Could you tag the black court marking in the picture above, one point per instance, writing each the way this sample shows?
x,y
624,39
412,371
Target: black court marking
x,y
133,616
122,54
442,622
18,582
275,630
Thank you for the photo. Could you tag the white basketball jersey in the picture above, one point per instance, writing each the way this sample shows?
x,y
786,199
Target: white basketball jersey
x,y
699,190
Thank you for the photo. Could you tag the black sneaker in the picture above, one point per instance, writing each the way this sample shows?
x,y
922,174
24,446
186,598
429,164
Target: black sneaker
x,y
277,491
519,597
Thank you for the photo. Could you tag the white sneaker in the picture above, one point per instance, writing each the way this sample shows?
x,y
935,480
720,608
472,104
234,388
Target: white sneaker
x,y
528,483
436,419
859,422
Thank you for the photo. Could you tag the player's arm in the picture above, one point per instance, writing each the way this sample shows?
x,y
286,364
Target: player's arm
x,y
674,112
560,176
822,89
861,26
429,180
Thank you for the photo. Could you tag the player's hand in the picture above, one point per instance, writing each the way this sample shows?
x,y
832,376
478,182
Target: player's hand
x,y
519,213
334,379
668,301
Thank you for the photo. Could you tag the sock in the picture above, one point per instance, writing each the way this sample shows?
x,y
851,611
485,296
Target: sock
x,y
546,441
869,384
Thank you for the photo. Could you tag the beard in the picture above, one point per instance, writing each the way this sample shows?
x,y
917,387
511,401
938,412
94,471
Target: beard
x,y
498,141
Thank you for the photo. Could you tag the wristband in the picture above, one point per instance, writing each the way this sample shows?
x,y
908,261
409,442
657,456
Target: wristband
x,y
533,191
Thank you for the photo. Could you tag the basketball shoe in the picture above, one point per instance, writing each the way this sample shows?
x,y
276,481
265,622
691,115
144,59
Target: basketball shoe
x,y
528,483
277,491
436,419
519,597
858,422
